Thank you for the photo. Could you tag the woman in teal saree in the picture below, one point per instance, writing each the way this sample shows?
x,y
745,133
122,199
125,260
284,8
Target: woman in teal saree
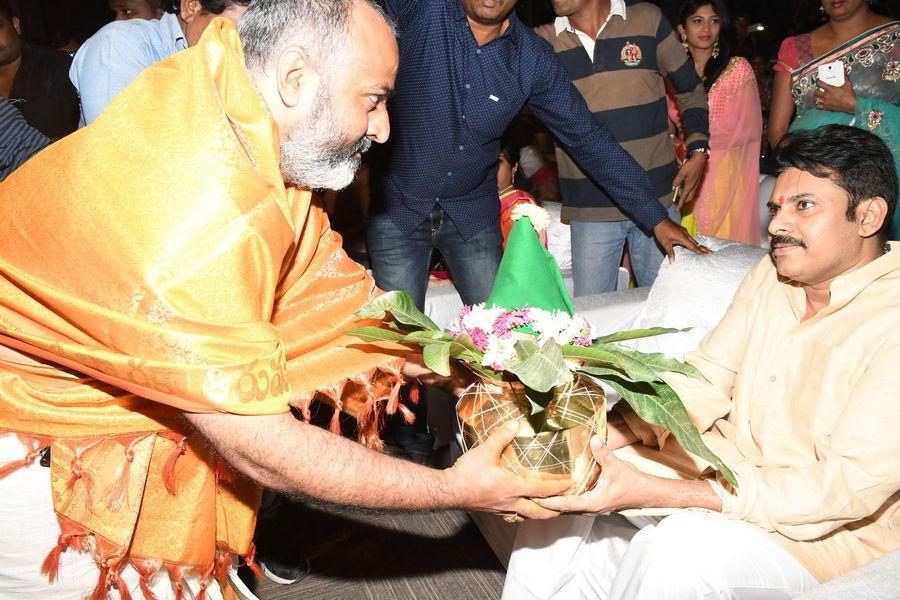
x,y
870,96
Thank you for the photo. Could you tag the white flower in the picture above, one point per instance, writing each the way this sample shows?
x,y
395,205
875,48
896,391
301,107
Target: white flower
x,y
577,328
481,318
498,352
550,326
540,219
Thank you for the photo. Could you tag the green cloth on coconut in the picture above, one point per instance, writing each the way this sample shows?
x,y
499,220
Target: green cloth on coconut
x,y
528,275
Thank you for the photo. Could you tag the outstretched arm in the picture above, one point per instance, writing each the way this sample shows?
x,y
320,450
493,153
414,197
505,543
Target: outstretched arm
x,y
621,486
280,452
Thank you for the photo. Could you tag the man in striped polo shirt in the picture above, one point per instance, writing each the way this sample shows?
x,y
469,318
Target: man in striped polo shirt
x,y
618,54
19,141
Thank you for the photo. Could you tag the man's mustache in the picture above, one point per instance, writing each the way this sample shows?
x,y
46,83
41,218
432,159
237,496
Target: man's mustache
x,y
784,240
362,146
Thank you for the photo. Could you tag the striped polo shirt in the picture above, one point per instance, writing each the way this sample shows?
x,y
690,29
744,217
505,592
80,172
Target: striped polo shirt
x,y
19,141
624,87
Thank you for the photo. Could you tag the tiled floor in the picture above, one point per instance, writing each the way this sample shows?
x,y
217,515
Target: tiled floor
x,y
388,555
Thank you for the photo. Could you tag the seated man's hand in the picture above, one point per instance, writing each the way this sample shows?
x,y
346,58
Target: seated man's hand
x,y
479,478
618,434
620,486
670,234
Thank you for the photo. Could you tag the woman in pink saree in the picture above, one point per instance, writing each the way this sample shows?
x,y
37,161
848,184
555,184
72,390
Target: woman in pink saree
x,y
727,205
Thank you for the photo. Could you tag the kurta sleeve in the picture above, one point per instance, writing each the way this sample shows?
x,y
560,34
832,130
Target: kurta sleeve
x,y
856,470
718,357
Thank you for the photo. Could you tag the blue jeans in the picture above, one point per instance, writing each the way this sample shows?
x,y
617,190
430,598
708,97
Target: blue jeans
x,y
597,252
401,261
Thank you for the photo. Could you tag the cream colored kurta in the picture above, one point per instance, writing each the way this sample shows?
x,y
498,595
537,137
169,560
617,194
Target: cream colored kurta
x,y
805,414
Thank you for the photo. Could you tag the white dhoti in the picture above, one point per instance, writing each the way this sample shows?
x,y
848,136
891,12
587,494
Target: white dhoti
x,y
29,530
688,555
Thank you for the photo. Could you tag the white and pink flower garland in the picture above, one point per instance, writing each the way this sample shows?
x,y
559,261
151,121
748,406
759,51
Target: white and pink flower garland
x,y
492,330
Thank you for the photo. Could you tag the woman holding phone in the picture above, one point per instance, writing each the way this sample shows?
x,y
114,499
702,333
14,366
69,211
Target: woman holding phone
x,y
867,47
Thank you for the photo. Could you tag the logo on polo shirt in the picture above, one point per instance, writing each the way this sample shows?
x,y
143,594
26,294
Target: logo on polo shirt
x,y
631,54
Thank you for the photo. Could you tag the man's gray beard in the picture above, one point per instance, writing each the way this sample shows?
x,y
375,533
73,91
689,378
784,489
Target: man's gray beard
x,y
317,155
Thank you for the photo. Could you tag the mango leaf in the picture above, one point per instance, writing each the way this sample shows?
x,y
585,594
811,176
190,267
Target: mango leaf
x,y
612,357
401,307
541,370
658,362
463,349
375,334
635,334
479,369
430,336
658,404
437,357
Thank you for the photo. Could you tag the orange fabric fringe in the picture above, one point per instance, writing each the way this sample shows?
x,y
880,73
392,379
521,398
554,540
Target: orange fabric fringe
x,y
79,448
110,561
169,468
35,446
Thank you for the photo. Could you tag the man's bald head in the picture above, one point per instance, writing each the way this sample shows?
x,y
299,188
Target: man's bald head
x,y
320,27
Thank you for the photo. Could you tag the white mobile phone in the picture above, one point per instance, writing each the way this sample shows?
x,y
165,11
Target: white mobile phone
x,y
832,73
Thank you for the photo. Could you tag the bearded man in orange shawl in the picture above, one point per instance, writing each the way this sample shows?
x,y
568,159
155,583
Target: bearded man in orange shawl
x,y
158,322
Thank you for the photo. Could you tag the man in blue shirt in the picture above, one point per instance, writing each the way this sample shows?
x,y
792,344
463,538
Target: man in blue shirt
x,y
110,59
467,67
136,9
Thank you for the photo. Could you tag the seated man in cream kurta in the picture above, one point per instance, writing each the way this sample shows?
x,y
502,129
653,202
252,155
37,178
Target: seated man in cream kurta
x,y
802,405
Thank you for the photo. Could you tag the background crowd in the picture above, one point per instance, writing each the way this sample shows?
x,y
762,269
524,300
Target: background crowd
x,y
748,81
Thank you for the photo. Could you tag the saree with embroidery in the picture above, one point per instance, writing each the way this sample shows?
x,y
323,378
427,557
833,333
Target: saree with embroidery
x,y
727,204
872,63
155,263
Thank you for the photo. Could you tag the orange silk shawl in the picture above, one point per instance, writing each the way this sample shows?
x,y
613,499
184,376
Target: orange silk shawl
x,y
155,263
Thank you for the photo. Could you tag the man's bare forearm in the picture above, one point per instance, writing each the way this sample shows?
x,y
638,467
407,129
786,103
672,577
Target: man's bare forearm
x,y
283,453
660,492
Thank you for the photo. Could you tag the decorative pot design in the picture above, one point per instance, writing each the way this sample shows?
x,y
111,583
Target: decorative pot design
x,y
551,442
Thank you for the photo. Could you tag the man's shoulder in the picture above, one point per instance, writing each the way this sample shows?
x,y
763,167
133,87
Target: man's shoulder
x,y
642,16
642,8
532,43
127,37
547,32
761,276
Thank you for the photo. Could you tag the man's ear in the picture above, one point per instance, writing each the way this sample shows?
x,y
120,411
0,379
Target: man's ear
x,y
296,78
189,9
17,25
870,216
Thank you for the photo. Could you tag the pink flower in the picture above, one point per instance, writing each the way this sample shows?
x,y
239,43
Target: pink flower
x,y
582,341
509,320
479,338
457,328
